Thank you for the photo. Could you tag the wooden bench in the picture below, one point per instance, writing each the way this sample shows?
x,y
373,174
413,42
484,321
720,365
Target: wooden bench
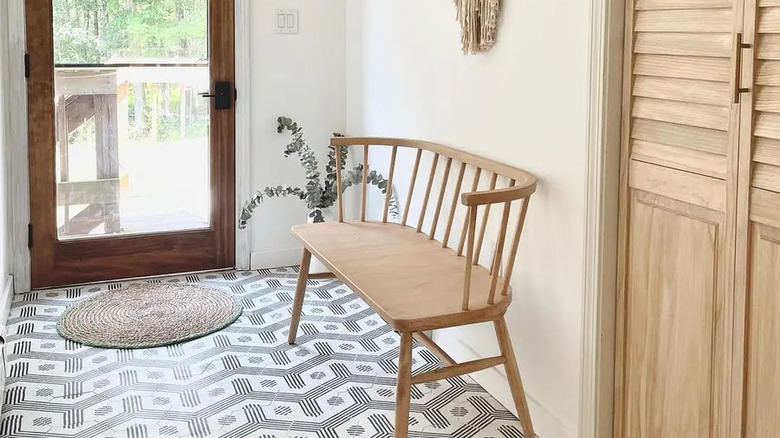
x,y
416,281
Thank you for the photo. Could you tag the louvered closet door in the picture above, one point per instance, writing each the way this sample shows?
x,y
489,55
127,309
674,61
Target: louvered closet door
x,y
679,154
758,251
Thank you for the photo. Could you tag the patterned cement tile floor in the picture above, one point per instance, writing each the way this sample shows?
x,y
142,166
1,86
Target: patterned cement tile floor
x,y
244,381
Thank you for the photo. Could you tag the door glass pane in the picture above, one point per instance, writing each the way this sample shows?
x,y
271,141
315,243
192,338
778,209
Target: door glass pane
x,y
132,152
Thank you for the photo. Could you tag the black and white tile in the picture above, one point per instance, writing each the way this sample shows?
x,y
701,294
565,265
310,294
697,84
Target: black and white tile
x,y
244,381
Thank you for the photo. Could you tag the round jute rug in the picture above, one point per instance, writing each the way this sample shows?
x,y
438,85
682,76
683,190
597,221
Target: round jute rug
x,y
148,315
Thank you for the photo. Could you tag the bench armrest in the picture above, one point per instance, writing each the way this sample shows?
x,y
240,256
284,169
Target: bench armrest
x,y
498,196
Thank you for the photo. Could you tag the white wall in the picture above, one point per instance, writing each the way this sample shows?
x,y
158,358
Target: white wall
x,y
301,76
525,104
5,241
6,249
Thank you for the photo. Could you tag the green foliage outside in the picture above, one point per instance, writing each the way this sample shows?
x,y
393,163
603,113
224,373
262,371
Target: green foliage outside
x,y
95,31
121,31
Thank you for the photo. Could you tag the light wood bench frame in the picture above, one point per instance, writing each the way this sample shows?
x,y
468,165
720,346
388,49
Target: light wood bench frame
x,y
521,185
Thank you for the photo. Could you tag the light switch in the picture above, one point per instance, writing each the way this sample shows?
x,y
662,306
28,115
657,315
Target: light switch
x,y
286,21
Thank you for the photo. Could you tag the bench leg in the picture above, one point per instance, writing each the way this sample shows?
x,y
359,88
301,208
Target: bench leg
x,y
513,375
403,392
300,291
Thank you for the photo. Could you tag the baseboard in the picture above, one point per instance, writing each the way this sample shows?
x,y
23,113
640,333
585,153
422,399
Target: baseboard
x,y
5,302
494,380
275,259
5,310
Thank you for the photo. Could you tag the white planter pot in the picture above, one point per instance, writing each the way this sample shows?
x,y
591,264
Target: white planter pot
x,y
316,266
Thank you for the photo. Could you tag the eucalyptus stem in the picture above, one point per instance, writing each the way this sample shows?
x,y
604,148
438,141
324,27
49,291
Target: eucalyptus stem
x,y
319,193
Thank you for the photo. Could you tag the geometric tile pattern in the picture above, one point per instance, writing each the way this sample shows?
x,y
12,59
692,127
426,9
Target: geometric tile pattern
x,y
243,381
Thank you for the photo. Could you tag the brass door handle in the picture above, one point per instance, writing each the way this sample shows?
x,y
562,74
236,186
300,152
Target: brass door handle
x,y
738,89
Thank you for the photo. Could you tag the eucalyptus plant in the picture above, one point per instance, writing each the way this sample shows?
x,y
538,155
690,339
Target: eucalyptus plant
x,y
319,193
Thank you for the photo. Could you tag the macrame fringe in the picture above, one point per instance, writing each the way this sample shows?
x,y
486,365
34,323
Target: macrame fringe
x,y
479,24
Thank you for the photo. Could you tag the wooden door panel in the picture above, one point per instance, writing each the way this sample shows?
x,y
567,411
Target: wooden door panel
x,y
676,266
673,332
675,184
756,383
762,389
765,207
766,176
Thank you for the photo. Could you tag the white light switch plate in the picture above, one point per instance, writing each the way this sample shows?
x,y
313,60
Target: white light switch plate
x,y
286,21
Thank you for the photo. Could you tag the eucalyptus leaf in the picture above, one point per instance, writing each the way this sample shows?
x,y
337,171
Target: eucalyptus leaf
x,y
318,193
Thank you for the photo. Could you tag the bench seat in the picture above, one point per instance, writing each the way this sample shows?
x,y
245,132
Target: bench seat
x,y
390,266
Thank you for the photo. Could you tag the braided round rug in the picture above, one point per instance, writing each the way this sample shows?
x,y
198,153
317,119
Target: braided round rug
x,y
148,315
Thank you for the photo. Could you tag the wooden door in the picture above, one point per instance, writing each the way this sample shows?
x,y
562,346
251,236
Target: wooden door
x,y
757,368
92,217
680,137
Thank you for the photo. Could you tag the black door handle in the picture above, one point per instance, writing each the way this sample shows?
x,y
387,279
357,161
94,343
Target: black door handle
x,y
223,95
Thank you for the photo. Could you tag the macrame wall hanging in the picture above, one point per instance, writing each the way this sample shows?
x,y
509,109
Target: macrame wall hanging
x,y
479,24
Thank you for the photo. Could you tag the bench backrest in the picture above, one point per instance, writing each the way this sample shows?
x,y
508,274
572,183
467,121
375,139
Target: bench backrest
x,y
519,187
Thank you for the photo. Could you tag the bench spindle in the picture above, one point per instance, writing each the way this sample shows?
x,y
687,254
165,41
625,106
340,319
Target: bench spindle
x,y
427,196
485,217
497,263
510,264
496,267
437,213
339,189
472,226
411,186
364,193
389,194
445,241
474,187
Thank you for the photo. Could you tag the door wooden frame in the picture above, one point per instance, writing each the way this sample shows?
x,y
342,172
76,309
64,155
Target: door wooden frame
x,y
63,262
243,129
601,218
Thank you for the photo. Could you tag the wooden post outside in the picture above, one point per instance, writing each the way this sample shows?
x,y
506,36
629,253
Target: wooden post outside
x,y
62,141
107,154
